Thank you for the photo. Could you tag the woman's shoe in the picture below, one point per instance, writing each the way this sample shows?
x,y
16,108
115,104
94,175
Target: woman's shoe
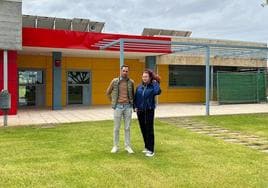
x,y
145,150
149,154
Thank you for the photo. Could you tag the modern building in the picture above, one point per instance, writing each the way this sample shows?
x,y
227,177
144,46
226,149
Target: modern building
x,y
56,62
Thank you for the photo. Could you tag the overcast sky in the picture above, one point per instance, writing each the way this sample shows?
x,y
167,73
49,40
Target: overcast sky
x,y
223,19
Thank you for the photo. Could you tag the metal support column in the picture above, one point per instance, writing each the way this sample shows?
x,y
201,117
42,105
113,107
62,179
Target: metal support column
x,y
207,60
121,52
211,83
5,78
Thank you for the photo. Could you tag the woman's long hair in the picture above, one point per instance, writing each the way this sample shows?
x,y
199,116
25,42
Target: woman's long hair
x,y
152,75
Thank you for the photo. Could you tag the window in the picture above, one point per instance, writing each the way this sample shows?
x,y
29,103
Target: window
x,y
30,77
186,76
78,77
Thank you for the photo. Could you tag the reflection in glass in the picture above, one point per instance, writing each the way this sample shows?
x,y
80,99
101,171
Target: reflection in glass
x,y
27,95
28,81
78,77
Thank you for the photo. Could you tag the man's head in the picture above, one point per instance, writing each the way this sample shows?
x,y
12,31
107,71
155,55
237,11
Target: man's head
x,y
124,71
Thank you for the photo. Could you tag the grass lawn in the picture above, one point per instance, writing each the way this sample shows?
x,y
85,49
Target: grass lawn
x,y
251,123
78,155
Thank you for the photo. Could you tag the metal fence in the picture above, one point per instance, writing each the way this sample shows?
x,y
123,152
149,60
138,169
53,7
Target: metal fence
x,y
240,87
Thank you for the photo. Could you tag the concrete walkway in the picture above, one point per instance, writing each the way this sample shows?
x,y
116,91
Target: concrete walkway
x,y
79,114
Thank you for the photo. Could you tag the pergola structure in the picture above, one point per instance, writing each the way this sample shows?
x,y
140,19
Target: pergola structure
x,y
207,50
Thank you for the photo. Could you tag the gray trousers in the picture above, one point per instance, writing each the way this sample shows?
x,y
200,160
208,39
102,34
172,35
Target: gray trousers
x,y
125,111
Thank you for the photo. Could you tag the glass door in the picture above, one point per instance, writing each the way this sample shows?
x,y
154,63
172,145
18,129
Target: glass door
x,y
78,87
27,95
75,94
31,88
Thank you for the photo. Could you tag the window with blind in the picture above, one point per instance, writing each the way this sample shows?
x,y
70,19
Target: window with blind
x,y
186,76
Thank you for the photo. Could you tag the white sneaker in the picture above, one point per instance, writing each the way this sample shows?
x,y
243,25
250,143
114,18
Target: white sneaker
x,y
129,150
149,154
145,150
115,149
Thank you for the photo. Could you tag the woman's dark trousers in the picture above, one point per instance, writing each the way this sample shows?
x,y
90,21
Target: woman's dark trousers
x,y
146,121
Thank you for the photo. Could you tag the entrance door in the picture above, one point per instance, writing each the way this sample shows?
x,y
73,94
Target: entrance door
x,y
31,88
75,94
78,87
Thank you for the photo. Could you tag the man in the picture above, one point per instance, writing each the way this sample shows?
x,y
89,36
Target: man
x,y
121,93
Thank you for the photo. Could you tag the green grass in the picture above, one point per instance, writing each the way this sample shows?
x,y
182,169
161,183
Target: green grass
x,y
78,155
250,123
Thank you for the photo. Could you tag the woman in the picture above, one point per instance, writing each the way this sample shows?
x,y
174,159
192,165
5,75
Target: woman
x,y
144,104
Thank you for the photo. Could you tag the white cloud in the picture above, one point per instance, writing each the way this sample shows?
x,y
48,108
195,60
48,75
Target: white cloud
x,y
226,19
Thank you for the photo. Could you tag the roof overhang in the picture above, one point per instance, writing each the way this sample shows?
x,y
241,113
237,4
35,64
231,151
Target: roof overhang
x,y
89,43
219,48
104,44
83,53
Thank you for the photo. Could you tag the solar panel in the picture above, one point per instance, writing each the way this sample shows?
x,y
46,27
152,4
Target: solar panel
x,y
45,22
75,24
28,21
62,23
165,32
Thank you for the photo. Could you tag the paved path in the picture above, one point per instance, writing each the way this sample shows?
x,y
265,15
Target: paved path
x,y
236,137
96,113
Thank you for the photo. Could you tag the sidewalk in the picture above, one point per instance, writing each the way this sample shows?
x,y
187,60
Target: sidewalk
x,y
96,113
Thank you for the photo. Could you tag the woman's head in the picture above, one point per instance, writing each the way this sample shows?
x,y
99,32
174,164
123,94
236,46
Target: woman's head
x,y
149,76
